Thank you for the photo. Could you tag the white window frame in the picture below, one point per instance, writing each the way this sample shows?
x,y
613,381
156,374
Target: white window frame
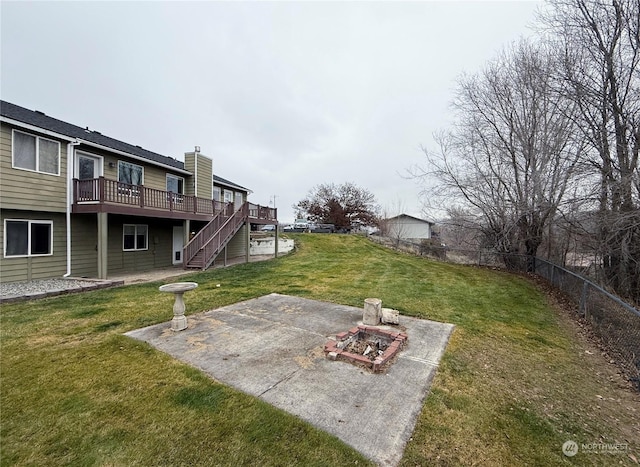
x,y
126,190
38,139
218,191
175,196
229,198
99,159
135,236
29,223
238,199
177,177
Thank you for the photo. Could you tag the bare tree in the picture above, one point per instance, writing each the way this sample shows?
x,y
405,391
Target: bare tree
x,y
601,43
390,226
512,155
462,228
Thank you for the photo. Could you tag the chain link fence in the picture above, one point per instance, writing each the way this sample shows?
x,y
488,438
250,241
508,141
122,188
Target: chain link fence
x,y
615,322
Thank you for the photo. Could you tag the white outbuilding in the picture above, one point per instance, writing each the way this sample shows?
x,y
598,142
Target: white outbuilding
x,y
408,227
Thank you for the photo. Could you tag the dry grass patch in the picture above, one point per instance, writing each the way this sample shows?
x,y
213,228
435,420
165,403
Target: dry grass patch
x,y
516,381
513,397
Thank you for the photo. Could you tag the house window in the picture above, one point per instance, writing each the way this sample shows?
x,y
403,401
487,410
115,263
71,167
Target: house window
x,y
216,193
175,184
88,166
35,153
175,187
134,237
228,196
28,238
130,173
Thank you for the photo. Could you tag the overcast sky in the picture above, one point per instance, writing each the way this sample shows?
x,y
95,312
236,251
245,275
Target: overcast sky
x,y
282,96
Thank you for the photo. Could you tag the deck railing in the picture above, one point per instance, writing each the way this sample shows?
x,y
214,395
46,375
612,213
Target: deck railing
x,y
262,212
192,248
207,242
215,244
105,191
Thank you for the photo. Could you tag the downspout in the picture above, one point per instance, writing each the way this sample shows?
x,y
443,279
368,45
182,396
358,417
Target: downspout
x,y
70,164
195,169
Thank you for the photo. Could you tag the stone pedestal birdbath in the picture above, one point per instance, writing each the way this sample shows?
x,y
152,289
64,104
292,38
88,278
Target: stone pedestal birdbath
x,y
179,321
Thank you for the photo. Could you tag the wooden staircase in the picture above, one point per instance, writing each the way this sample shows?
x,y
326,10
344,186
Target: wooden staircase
x,y
203,248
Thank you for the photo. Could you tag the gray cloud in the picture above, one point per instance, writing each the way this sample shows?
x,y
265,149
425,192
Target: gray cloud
x,y
282,96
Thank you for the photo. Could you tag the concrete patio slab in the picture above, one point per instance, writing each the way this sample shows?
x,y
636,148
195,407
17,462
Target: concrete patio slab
x,y
272,347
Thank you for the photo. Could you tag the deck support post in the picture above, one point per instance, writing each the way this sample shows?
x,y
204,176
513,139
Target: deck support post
x,y
248,244
103,236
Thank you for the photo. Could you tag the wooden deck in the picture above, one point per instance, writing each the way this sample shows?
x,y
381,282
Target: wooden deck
x,y
104,195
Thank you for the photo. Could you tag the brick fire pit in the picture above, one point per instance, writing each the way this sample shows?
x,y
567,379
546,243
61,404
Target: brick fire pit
x,y
389,343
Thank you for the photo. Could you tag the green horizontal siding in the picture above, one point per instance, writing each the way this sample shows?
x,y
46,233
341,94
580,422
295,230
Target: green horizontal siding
x,y
23,189
159,248
84,245
238,245
202,168
35,267
154,177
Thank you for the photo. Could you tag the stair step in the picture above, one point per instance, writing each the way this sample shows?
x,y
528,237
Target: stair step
x,y
200,261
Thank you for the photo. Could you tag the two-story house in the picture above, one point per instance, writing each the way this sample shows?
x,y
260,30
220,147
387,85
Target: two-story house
x,y
74,202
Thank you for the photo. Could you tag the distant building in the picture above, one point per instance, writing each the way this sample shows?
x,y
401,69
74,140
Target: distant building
x,y
408,227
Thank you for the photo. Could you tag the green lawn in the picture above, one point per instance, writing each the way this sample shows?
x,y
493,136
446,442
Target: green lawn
x,y
515,383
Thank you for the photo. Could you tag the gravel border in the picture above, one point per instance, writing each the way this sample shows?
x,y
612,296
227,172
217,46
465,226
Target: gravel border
x,y
42,288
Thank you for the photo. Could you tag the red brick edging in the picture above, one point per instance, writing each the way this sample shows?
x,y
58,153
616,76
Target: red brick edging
x,y
398,340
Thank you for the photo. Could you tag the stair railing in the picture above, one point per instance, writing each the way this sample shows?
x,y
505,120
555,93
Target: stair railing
x,y
196,244
220,239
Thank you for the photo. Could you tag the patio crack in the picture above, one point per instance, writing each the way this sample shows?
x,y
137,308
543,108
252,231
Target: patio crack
x,y
420,360
289,376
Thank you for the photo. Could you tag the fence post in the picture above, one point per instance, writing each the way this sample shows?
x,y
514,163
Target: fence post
x,y
582,309
552,275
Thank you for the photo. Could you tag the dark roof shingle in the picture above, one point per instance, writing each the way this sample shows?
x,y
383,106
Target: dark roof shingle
x,y
40,120
224,181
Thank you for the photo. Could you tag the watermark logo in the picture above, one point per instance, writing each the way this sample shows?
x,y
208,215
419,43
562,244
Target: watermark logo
x,y
571,448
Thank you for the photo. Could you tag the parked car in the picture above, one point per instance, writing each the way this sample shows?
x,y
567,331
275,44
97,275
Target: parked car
x,y
323,228
297,227
268,228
